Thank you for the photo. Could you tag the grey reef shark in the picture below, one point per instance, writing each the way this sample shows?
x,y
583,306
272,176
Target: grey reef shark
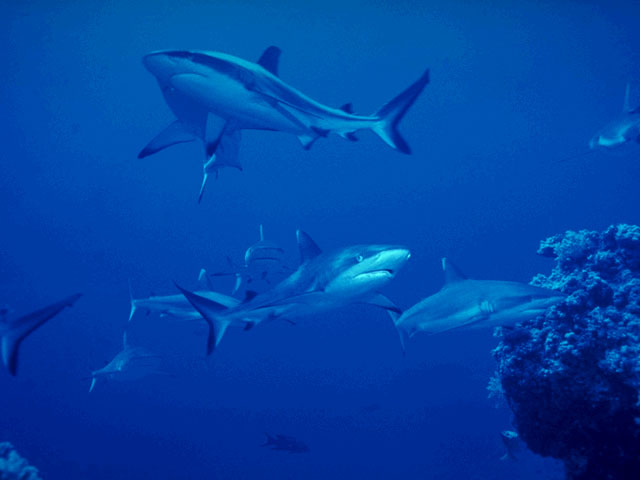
x,y
322,282
623,129
262,261
131,363
215,95
177,306
14,331
467,303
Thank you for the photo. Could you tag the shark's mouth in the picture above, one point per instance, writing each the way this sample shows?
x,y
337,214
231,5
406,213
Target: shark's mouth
x,y
385,272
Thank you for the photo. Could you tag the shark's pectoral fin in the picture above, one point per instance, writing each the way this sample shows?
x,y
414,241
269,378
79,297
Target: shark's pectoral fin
x,y
172,135
381,301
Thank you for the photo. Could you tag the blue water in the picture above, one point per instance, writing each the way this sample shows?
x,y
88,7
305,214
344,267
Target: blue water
x,y
516,88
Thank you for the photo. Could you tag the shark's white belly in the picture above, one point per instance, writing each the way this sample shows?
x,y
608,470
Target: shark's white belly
x,y
232,100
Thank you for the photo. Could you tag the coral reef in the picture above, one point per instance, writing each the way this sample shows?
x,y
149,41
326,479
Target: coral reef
x,y
572,376
13,466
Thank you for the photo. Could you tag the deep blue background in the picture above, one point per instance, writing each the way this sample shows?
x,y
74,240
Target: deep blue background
x,y
516,88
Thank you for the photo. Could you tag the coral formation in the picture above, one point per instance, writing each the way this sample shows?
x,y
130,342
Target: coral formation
x,y
572,376
13,466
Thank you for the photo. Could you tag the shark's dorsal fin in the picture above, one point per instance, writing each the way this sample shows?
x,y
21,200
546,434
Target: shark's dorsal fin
x,y
249,295
347,107
269,59
452,274
308,248
626,106
204,280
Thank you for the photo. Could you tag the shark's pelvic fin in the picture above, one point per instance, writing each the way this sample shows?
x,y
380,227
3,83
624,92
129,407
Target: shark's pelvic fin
x,y
172,135
210,311
308,248
214,130
452,273
20,328
392,112
269,59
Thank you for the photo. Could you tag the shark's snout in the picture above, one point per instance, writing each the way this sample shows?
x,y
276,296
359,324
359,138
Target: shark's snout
x,y
159,64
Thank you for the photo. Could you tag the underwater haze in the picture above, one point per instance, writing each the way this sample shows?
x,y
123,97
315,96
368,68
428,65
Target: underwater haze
x,y
500,161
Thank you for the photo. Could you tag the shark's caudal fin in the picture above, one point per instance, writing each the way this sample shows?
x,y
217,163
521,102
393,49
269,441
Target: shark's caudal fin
x,y
93,384
173,134
392,112
210,311
19,329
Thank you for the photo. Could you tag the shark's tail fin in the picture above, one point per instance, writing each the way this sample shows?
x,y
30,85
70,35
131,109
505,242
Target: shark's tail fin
x,y
392,112
19,329
93,384
210,311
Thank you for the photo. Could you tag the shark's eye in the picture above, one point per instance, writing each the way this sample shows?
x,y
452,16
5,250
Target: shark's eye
x,y
359,258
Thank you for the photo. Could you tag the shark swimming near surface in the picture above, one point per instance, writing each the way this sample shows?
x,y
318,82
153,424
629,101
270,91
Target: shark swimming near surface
x,y
215,95
623,129
467,303
322,282
14,331
131,363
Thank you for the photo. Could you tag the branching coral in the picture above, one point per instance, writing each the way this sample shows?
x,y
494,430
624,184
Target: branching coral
x,y
572,376
13,466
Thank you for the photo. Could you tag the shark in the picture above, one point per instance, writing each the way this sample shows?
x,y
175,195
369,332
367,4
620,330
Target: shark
x,y
468,303
262,261
623,129
324,281
14,331
215,95
131,363
177,306
285,443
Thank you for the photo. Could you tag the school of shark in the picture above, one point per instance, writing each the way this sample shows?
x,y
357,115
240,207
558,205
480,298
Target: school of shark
x,y
214,96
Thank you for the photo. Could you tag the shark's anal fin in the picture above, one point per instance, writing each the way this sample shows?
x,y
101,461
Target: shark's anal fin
x,y
210,311
308,248
172,135
269,59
